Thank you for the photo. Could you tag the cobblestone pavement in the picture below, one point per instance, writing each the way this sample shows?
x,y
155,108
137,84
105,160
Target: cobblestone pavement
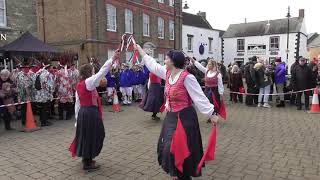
x,y
254,143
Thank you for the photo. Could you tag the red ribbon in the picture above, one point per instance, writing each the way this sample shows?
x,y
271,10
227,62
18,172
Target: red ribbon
x,y
221,110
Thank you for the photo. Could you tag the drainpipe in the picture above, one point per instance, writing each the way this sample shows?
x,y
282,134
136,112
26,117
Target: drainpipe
x,y
43,22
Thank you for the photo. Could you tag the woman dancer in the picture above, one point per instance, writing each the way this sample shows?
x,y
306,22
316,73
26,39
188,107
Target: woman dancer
x,y
90,130
180,144
154,96
213,80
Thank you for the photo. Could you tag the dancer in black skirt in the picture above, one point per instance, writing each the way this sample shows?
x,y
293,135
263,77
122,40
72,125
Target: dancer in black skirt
x,y
180,145
154,97
90,130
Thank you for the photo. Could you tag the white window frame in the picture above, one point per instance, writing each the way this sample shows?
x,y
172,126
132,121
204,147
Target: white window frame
x,y
146,25
4,24
190,43
210,45
111,9
273,43
160,1
238,45
161,58
171,3
171,30
128,21
160,28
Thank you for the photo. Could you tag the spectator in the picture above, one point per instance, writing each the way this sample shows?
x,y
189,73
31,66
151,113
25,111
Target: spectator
x,y
263,79
236,83
7,93
301,80
251,82
314,67
280,80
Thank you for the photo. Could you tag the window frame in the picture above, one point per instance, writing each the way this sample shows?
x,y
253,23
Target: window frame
x,y
161,21
144,23
161,61
210,47
114,15
191,43
270,43
171,3
241,40
128,14
171,30
161,1
4,24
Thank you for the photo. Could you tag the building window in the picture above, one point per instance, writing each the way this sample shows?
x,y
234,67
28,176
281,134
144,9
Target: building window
x,y
160,28
128,21
210,45
161,1
110,53
171,29
161,59
171,3
111,18
274,43
190,43
146,25
3,15
240,45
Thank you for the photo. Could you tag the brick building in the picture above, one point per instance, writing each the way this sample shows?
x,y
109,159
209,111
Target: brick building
x,y
16,17
95,27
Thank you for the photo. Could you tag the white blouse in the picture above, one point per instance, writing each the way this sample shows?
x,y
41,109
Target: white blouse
x,y
93,82
195,92
210,75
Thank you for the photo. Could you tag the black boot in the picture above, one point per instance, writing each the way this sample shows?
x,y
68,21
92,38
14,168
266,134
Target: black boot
x,y
282,104
90,165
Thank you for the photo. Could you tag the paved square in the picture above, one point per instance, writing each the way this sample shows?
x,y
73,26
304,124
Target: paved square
x,y
254,143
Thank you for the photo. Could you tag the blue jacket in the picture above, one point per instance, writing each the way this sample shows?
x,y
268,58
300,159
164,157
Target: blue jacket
x,y
111,80
280,73
126,78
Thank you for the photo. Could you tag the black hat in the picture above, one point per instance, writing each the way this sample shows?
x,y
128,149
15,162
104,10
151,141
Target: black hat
x,y
25,63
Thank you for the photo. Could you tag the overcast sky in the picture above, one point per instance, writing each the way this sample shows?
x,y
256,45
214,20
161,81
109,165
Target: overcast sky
x,y
221,13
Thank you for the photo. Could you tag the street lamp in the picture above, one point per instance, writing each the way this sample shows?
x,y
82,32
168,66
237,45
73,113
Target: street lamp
x,y
175,5
288,31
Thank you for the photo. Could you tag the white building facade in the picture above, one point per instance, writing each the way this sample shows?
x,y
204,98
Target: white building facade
x,y
199,39
266,39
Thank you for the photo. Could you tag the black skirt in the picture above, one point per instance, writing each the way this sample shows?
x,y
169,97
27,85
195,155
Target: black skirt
x,y
90,133
213,91
189,120
153,99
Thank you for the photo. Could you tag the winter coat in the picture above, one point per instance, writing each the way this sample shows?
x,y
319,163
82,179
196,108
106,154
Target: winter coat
x,y
249,74
280,74
126,78
263,76
314,69
301,77
235,81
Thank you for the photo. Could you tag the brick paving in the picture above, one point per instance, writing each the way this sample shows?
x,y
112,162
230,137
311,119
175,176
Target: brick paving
x,y
253,144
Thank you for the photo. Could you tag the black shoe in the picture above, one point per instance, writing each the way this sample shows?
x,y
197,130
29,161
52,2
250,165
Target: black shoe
x,y
155,118
307,109
46,124
282,104
9,128
92,167
299,108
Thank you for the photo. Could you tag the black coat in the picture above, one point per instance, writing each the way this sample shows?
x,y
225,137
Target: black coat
x,y
301,77
249,74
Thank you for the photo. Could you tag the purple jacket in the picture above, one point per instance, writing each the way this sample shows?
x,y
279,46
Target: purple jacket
x,y
280,73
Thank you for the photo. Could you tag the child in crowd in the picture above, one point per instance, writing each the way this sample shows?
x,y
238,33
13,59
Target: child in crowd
x,y
138,82
111,85
126,77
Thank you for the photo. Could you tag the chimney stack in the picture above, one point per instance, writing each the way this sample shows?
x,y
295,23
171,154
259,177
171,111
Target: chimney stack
x,y
301,13
202,14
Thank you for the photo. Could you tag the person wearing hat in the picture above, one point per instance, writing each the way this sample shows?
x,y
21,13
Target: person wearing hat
x,y
181,124
45,86
25,87
280,79
251,80
301,80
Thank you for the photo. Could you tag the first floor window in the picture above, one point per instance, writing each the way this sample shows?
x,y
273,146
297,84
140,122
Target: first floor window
x,y
161,59
161,1
210,45
240,45
3,15
190,42
171,3
128,21
160,27
274,43
146,25
171,29
111,18
110,53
